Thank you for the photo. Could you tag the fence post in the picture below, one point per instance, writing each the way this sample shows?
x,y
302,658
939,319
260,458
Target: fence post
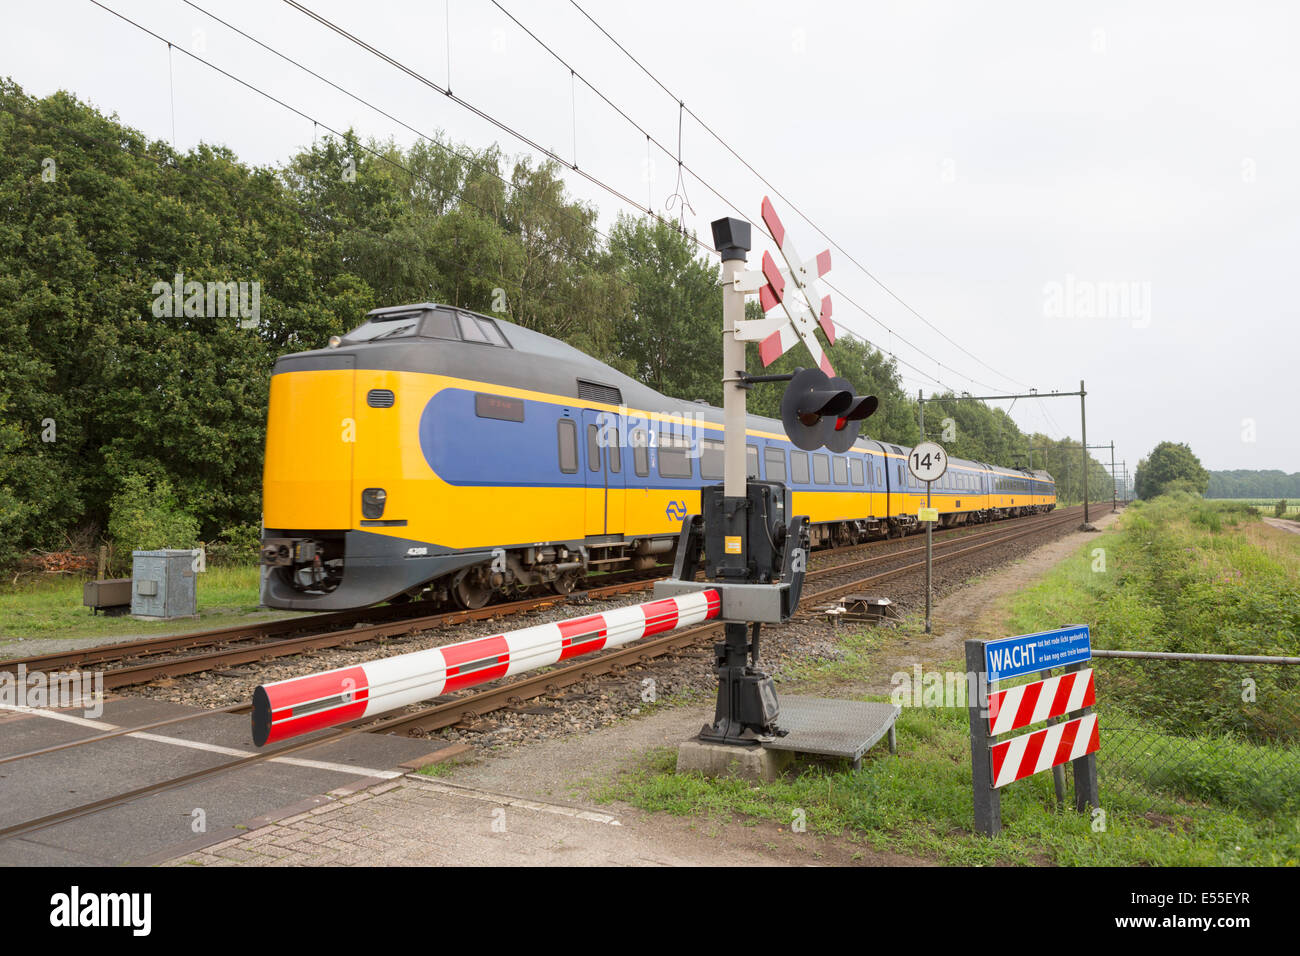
x,y
988,802
1085,768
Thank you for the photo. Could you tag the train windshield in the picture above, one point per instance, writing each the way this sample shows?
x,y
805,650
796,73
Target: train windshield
x,y
386,327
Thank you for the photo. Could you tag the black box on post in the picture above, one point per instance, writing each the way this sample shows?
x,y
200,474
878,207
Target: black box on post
x,y
743,538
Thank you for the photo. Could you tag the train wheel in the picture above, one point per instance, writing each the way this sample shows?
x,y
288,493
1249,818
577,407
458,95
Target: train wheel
x,y
564,583
469,592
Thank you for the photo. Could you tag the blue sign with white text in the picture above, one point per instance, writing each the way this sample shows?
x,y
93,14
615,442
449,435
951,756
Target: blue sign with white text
x,y
1028,653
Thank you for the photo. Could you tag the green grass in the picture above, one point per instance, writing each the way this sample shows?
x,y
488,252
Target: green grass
x,y
1209,782
50,607
1267,506
919,803
1181,574
443,768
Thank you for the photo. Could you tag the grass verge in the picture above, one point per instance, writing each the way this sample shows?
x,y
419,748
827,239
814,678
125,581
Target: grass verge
x,y
52,608
1221,789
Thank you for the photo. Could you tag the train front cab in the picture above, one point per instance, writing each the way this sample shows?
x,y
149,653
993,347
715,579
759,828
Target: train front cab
x,y
338,498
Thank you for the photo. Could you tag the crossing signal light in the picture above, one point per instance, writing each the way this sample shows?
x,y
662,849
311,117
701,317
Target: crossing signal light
x,y
847,427
820,411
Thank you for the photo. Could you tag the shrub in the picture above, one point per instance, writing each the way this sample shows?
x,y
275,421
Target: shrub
x,y
236,547
145,518
1279,509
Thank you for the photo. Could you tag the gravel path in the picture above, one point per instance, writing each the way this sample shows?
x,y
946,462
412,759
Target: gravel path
x,y
1292,526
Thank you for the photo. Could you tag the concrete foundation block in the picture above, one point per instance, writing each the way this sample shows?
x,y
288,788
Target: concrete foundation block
x,y
727,760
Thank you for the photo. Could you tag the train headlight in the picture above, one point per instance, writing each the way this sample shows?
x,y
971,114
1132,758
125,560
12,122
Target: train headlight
x,y
372,502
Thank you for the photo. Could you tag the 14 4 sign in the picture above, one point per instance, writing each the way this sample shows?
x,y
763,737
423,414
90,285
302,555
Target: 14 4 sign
x,y
927,461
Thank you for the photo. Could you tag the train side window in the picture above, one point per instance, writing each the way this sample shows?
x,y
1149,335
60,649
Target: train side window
x,y
615,456
774,462
751,461
711,459
859,472
841,469
799,467
821,469
593,448
640,453
674,462
567,439
900,475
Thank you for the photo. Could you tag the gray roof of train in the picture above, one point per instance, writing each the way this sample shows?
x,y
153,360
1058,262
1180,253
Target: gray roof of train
x,y
515,366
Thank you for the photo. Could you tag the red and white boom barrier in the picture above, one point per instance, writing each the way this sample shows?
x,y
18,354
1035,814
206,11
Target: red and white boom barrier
x,y
299,705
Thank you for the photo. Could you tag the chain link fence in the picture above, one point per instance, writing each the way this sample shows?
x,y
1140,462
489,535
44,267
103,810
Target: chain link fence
x,y
1186,730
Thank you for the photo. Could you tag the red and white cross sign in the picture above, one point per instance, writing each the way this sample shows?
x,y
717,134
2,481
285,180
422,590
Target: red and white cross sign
x,y
795,292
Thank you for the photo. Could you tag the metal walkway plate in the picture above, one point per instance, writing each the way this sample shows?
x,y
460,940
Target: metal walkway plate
x,y
834,728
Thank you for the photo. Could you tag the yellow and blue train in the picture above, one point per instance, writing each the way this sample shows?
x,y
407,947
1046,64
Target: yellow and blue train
x,y
437,452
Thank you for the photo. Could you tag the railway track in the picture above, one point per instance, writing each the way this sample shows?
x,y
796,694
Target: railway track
x,y
475,704
470,706
410,616
144,661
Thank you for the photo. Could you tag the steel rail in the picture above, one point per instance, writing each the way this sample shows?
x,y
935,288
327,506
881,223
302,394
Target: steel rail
x,y
72,813
470,707
448,713
263,641
244,708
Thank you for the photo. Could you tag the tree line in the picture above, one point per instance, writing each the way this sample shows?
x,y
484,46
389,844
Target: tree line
x,y
119,390
1244,483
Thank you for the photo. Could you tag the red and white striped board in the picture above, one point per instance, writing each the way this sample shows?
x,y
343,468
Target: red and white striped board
x,y
1029,754
300,705
1027,704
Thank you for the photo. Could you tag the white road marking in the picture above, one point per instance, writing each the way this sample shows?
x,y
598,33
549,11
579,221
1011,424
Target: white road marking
x,y
502,799
200,745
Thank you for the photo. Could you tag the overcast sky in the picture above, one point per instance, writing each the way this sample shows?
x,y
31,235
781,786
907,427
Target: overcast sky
x,y
1098,191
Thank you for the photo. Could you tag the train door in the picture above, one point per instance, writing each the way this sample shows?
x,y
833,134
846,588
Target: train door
x,y
617,462
605,474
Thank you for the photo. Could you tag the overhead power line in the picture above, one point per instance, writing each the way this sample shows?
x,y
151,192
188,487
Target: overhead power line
x,y
511,131
705,183
376,153
343,32
551,244
763,179
480,113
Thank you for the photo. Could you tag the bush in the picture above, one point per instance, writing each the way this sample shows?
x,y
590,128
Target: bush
x,y
144,518
236,547
1279,509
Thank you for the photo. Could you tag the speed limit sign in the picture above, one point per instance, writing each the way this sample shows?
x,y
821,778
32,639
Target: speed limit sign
x,y
927,461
